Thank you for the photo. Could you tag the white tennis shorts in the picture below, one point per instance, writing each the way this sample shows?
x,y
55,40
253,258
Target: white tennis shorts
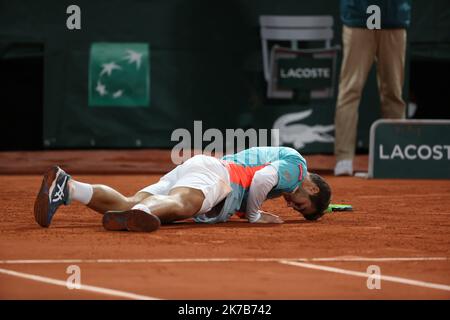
x,y
201,172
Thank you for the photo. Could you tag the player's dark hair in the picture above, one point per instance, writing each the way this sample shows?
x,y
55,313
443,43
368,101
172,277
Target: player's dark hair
x,y
321,199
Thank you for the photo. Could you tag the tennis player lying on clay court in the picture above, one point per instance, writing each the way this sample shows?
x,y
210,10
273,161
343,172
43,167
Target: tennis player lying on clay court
x,y
204,188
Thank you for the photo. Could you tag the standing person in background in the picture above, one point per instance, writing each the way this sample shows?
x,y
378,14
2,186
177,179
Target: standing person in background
x,y
362,46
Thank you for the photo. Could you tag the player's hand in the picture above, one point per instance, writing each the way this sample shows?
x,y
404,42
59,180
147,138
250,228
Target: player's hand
x,y
269,218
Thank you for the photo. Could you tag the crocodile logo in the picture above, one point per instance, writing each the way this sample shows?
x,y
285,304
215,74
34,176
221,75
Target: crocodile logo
x,y
299,134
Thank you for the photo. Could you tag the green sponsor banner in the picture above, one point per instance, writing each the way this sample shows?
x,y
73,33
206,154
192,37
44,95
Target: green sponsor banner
x,y
305,72
410,149
119,75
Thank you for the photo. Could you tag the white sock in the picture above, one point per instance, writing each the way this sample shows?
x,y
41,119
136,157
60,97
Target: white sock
x,y
141,207
81,192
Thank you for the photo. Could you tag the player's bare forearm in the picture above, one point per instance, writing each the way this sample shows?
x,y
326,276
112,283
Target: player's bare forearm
x,y
268,218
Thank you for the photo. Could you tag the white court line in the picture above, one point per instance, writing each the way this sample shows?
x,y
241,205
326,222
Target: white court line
x,y
392,259
366,275
106,291
187,260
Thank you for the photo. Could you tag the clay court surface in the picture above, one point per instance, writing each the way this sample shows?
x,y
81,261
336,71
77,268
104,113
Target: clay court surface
x,y
401,226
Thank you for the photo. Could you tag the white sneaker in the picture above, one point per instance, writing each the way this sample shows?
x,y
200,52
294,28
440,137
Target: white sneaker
x,y
344,168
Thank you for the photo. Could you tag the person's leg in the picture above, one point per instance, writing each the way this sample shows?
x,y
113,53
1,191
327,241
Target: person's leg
x,y
59,188
102,198
391,71
181,203
201,183
148,215
359,47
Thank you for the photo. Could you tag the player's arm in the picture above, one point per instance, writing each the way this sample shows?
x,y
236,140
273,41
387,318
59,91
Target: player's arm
x,y
263,181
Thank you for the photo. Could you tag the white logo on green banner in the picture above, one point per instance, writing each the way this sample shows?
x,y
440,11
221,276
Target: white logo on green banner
x,y
119,74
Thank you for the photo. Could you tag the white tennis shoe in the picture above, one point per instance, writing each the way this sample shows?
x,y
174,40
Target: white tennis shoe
x,y
344,168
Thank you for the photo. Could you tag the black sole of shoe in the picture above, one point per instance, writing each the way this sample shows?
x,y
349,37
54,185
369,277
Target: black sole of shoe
x,y
131,220
42,200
